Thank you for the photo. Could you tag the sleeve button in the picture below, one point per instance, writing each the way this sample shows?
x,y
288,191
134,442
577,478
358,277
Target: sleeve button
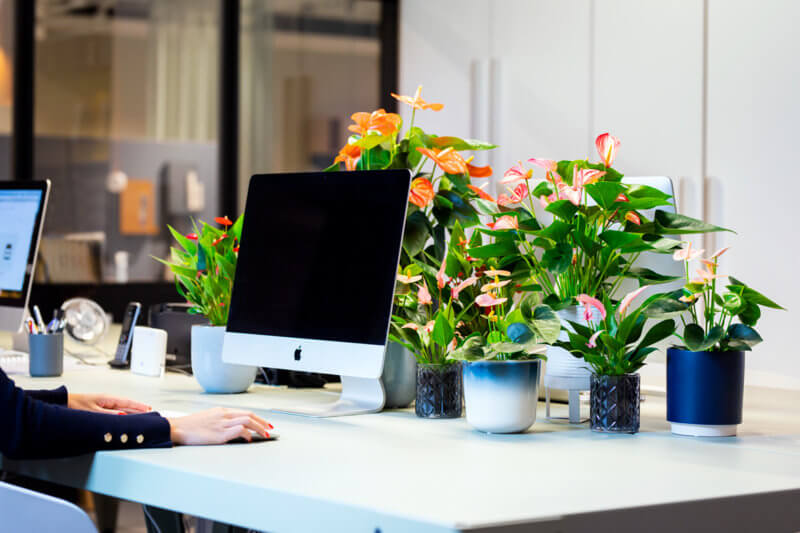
x,y
123,438
139,439
107,437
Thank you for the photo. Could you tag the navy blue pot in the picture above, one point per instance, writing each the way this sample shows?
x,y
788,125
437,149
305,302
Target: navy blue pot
x,y
704,392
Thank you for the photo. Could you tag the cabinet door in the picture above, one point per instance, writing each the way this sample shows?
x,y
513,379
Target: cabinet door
x,y
542,51
753,113
648,90
442,46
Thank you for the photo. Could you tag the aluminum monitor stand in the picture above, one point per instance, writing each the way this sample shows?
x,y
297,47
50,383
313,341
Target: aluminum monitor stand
x,y
359,396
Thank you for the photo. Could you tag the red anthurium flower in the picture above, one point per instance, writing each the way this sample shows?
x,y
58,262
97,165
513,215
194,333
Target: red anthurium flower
x,y
223,221
421,193
192,236
236,249
630,216
219,239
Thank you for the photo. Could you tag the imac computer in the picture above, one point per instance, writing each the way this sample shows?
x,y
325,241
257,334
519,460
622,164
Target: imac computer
x,y
22,209
315,279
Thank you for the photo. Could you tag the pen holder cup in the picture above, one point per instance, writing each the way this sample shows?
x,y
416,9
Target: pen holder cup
x,y
46,354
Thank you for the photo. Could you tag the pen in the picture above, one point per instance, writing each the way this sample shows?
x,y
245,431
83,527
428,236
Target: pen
x,y
52,326
39,321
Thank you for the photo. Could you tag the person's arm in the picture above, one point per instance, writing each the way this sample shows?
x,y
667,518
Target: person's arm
x,y
33,429
56,396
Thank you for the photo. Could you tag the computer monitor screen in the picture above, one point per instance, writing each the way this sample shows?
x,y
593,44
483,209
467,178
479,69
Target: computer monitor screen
x,y
20,212
319,255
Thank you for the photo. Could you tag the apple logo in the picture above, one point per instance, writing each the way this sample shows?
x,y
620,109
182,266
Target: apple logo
x,y
297,353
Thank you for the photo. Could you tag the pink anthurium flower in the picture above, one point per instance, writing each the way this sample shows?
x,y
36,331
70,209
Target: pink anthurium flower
x,y
573,194
607,146
493,273
706,275
711,265
497,284
441,277
519,193
515,173
487,300
463,285
686,254
720,252
402,278
626,302
416,327
588,302
504,222
585,176
547,164
593,339
423,296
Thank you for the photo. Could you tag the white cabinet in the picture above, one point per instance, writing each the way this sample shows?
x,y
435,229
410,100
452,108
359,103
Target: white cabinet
x,y
753,116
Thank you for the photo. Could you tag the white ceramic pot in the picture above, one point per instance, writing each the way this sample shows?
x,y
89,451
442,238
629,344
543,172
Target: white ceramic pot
x,y
501,396
563,370
214,375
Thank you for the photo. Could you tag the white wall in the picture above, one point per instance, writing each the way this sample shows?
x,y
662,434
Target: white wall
x,y
705,92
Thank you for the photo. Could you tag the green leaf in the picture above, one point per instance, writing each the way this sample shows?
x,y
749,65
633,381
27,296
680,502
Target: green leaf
x,y
442,331
371,141
557,259
696,339
753,296
187,244
333,168
677,224
542,189
750,315
457,143
556,231
733,303
545,324
665,308
497,249
416,234
621,240
472,349
742,337
605,193
657,333
650,277
562,209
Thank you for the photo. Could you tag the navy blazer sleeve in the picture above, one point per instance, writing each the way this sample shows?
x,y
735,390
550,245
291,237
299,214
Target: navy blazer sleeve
x,y
57,396
34,429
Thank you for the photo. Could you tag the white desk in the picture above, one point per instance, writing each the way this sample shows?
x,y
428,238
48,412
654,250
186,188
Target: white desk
x,y
393,472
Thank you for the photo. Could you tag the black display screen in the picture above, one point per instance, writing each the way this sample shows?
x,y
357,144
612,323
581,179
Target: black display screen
x,y
319,255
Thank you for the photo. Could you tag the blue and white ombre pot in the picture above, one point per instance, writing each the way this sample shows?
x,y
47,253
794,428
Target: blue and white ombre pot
x,y
501,396
704,392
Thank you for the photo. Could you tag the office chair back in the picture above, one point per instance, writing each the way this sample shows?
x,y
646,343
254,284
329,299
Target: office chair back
x,y
26,510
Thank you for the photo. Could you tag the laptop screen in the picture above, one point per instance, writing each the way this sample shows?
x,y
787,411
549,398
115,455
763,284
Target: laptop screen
x,y
319,255
20,210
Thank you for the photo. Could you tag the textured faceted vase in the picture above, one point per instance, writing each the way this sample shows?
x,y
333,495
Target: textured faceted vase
x,y
704,392
439,391
214,375
615,403
399,376
501,396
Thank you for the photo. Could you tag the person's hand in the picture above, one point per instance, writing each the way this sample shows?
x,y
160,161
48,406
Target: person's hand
x,y
101,403
217,426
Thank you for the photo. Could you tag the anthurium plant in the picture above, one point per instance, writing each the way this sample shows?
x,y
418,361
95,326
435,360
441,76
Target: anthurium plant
x,y
596,233
718,319
204,265
441,189
614,341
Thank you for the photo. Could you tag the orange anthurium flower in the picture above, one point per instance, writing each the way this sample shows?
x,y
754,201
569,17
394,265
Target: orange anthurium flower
x,y
448,159
421,193
350,154
481,193
416,101
379,120
479,172
223,221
